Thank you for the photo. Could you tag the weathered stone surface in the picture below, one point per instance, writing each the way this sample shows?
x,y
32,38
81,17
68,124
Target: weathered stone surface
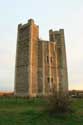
x,y
40,65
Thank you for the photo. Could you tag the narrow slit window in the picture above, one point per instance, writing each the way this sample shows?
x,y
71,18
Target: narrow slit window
x,y
48,80
47,59
51,59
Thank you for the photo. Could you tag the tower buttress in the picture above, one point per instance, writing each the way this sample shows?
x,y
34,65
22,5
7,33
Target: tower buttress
x,y
34,36
26,59
62,78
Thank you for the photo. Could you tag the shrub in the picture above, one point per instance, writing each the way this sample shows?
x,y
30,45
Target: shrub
x,y
59,103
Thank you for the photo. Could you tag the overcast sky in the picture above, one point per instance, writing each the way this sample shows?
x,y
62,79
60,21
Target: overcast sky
x,y
48,14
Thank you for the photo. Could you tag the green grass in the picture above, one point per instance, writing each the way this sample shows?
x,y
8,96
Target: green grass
x,y
18,111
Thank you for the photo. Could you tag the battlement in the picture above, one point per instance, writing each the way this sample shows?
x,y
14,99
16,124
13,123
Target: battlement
x,y
57,31
55,35
29,23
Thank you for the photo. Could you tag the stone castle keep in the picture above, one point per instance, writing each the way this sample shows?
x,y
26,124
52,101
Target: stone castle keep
x,y
40,65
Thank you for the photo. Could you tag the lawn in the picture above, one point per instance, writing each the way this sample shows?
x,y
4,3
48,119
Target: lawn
x,y
19,111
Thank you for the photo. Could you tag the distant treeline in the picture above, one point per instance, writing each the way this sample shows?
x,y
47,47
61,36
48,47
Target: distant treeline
x,y
6,93
76,93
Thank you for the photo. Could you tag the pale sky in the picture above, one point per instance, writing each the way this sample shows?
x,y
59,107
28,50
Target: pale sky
x,y
48,14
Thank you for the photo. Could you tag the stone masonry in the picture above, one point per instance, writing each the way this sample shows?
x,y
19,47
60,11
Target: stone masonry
x,y
40,65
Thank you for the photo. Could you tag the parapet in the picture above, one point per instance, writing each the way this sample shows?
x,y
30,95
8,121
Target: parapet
x,y
50,31
30,21
19,26
57,31
55,35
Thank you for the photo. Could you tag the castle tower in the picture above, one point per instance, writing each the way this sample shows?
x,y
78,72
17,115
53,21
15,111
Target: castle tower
x,y
40,65
26,59
61,64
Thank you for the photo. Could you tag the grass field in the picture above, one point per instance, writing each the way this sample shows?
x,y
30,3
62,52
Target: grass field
x,y
18,111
